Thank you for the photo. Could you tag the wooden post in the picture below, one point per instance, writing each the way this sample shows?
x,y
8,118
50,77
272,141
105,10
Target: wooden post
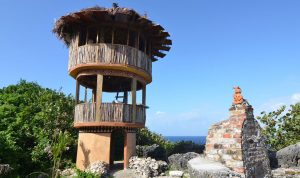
x,y
145,47
113,36
150,50
138,41
97,38
125,99
128,37
102,35
87,36
99,97
85,95
144,95
77,92
133,99
93,96
137,46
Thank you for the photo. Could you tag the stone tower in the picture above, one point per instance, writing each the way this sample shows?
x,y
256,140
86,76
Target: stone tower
x,y
238,143
111,50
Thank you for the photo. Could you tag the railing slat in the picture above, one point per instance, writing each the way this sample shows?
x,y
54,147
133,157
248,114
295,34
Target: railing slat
x,y
110,112
110,54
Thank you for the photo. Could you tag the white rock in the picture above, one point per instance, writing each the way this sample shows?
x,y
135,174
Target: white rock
x,y
176,173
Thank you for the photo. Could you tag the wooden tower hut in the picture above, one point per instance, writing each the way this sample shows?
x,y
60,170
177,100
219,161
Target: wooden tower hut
x,y
111,50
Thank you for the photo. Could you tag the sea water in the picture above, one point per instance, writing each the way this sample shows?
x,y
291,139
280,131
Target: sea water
x,y
196,139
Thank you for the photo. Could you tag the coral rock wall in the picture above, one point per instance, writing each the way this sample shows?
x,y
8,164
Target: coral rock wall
x,y
237,143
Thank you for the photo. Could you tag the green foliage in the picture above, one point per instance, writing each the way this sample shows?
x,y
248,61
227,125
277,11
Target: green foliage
x,y
187,146
59,145
82,174
30,118
281,127
146,137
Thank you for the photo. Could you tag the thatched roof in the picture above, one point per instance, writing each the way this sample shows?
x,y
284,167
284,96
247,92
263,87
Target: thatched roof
x,y
71,23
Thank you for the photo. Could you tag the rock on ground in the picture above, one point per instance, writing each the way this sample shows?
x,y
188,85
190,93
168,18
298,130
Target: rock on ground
x,y
286,172
179,161
176,173
147,167
98,168
203,168
289,156
68,173
154,151
4,169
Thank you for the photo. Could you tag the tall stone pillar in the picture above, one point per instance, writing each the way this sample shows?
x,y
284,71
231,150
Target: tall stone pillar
x,y
237,142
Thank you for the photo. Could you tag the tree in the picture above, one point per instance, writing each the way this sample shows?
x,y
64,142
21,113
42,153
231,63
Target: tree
x,y
30,117
281,127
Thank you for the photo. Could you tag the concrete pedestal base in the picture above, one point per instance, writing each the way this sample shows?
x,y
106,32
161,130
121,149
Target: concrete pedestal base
x,y
92,147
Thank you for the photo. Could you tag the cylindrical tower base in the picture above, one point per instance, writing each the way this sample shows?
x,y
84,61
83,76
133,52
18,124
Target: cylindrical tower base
x,y
92,147
99,146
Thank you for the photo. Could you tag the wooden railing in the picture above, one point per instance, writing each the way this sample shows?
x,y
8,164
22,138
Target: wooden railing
x,y
103,54
110,112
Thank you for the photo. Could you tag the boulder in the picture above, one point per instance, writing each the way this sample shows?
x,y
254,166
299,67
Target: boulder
x,y
98,168
154,151
147,167
5,169
68,173
289,156
200,167
179,161
286,172
176,173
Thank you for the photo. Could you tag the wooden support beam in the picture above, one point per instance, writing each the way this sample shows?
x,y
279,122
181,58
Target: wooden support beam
x,y
133,99
93,95
138,41
97,38
85,95
113,36
99,96
102,35
125,99
77,92
128,37
144,95
87,36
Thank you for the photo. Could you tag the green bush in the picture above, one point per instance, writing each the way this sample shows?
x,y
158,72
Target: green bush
x,y
187,146
82,174
30,117
281,127
146,137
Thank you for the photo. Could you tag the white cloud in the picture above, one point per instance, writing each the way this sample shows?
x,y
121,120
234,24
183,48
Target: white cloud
x,y
276,103
295,98
159,113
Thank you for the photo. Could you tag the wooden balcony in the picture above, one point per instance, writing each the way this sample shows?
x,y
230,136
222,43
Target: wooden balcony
x,y
112,114
109,55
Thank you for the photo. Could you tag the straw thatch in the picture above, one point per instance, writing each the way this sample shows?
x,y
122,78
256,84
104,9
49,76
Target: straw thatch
x,y
69,25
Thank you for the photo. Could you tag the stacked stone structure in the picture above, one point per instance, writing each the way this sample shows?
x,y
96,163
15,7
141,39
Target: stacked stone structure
x,y
237,142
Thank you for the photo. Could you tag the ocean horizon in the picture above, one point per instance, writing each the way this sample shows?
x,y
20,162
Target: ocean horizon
x,y
196,139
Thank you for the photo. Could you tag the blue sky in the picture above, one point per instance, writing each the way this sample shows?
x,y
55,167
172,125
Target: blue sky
x,y
217,44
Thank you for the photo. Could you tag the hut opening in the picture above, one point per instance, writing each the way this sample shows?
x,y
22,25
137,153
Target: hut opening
x,y
117,148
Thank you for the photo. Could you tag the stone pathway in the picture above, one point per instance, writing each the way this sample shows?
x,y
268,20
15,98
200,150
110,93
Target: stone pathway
x,y
124,174
201,167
